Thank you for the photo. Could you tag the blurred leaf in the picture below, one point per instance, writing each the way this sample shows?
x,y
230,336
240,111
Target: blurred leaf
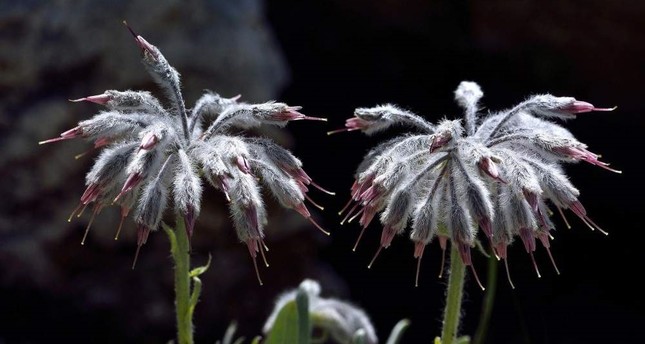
x,y
398,330
230,332
256,340
437,340
285,329
171,237
304,323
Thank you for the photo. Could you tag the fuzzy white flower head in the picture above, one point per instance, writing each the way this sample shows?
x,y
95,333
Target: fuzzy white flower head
x,y
499,173
341,319
151,152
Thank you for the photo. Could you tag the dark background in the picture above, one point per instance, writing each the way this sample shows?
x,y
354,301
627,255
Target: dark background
x,y
336,56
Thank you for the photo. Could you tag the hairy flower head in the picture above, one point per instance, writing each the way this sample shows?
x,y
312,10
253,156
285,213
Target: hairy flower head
x,y
501,173
153,156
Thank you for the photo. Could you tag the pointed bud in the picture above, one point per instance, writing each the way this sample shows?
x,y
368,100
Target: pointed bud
x,y
91,193
149,141
489,167
133,180
66,135
142,43
439,140
581,107
189,219
528,239
98,99
387,235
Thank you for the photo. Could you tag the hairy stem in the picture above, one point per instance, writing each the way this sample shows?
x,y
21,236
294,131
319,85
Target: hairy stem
x,y
489,299
452,312
179,250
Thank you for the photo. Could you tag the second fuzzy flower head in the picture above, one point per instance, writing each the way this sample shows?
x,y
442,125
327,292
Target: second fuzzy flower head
x,y
151,152
500,173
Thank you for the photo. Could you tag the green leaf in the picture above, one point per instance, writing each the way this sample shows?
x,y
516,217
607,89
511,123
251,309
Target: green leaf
x,y
256,340
171,237
201,269
285,329
437,340
194,296
304,323
397,331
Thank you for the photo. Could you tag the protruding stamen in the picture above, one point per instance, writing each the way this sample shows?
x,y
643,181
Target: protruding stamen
x,y
257,272
349,213
318,226
134,34
136,256
322,119
472,268
341,130
346,206
252,245
80,213
69,134
494,250
548,250
535,265
118,230
419,248
356,215
592,224
508,273
322,189
80,155
564,218
416,279
443,261
69,219
264,258
359,239
374,258
89,224
314,203
266,248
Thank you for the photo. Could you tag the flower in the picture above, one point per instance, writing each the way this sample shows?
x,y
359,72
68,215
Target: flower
x,y
341,319
151,153
500,173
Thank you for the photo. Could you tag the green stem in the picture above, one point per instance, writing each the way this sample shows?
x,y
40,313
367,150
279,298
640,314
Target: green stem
x,y
487,306
453,298
180,254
